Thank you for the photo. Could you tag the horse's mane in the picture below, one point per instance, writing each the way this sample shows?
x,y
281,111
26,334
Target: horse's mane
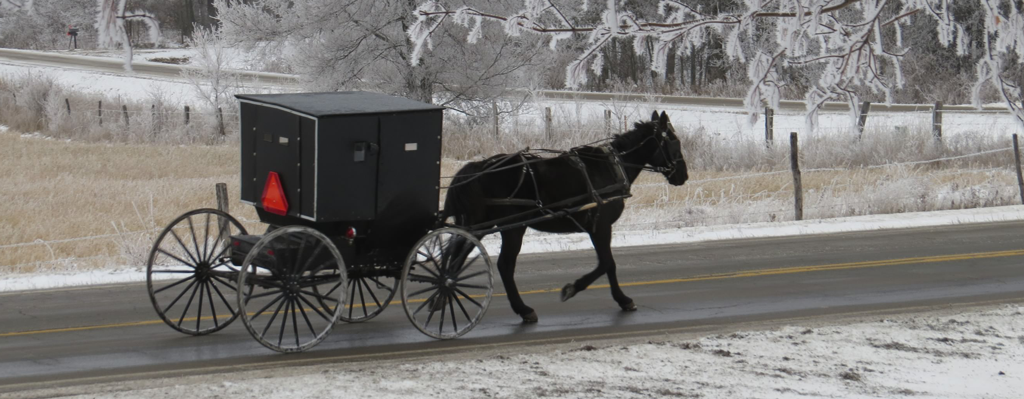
x,y
633,138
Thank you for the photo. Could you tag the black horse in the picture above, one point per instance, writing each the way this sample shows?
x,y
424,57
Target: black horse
x,y
579,190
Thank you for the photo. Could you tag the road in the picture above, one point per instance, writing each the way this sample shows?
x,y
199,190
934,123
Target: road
x,y
108,333
155,69
116,65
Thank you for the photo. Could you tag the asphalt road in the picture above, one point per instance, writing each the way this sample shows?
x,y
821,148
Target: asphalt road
x,y
106,333
116,66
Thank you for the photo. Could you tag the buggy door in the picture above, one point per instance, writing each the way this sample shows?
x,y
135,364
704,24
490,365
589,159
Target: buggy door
x,y
277,149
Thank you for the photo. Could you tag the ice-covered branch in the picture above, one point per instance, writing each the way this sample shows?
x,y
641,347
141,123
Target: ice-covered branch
x,y
853,47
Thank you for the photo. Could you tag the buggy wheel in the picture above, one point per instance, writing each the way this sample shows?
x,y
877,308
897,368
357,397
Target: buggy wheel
x,y
369,292
189,274
287,277
447,283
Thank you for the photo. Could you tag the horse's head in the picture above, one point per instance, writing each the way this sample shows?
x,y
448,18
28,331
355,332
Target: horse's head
x,y
668,157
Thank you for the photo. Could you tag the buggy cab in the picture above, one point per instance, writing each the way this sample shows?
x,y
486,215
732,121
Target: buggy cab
x,y
355,165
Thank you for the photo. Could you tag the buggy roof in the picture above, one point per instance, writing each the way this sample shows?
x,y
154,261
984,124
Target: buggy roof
x,y
339,103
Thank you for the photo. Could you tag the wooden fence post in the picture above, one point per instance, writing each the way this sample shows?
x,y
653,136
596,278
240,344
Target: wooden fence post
x,y
99,112
547,122
186,115
220,121
937,120
1016,160
67,103
124,110
794,162
494,112
608,122
863,120
156,125
222,205
769,126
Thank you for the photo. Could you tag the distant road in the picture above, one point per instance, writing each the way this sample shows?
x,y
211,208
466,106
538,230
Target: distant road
x,y
74,336
116,65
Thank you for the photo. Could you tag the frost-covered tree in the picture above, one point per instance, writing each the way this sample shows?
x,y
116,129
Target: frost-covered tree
x,y
210,76
42,24
361,44
111,31
850,47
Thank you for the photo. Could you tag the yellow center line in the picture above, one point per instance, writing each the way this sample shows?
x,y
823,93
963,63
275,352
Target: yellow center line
x,y
716,276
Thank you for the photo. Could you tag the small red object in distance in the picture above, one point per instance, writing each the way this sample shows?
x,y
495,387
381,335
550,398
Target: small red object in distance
x,y
273,198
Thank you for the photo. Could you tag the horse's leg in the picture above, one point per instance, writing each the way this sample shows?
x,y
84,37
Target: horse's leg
x,y
511,243
601,237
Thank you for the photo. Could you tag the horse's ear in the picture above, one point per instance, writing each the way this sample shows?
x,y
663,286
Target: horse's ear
x,y
654,116
663,121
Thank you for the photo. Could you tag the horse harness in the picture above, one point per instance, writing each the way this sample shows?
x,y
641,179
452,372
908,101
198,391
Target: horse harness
x,y
619,189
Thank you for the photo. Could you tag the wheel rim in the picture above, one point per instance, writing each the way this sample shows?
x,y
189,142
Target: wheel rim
x,y
288,277
189,274
369,292
447,283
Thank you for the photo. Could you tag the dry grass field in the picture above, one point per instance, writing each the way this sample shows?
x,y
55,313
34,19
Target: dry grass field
x,y
57,192
72,205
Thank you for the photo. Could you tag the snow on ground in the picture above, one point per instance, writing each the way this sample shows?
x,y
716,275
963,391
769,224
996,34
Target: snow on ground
x,y
949,353
540,242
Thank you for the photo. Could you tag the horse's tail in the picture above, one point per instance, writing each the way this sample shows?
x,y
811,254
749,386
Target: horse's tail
x,y
464,200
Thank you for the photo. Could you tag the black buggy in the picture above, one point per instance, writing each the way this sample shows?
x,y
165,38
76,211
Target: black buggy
x,y
348,183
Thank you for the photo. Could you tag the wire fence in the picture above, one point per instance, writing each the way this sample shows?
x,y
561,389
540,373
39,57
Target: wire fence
x,y
709,201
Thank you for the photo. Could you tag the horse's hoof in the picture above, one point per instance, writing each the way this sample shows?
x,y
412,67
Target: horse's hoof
x,y
629,307
529,318
568,291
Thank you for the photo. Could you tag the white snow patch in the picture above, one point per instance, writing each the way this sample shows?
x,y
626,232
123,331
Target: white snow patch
x,y
973,353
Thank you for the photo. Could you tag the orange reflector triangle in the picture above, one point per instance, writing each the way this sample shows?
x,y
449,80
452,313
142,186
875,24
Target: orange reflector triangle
x,y
273,196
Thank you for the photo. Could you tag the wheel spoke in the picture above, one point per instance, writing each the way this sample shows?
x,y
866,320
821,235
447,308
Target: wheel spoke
x,y
161,250
183,246
305,317
318,296
433,287
175,283
440,327
480,287
194,242
458,301
352,298
312,257
372,295
362,300
179,296
468,298
226,283
295,325
274,316
199,315
284,322
188,305
424,304
213,309
451,307
336,286
267,306
466,265
479,273
226,303
382,285
314,307
206,238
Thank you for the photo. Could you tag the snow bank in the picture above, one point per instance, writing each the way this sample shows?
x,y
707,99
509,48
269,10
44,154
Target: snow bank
x,y
974,353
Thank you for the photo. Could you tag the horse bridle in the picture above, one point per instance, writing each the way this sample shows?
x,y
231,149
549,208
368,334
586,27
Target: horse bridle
x,y
667,171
